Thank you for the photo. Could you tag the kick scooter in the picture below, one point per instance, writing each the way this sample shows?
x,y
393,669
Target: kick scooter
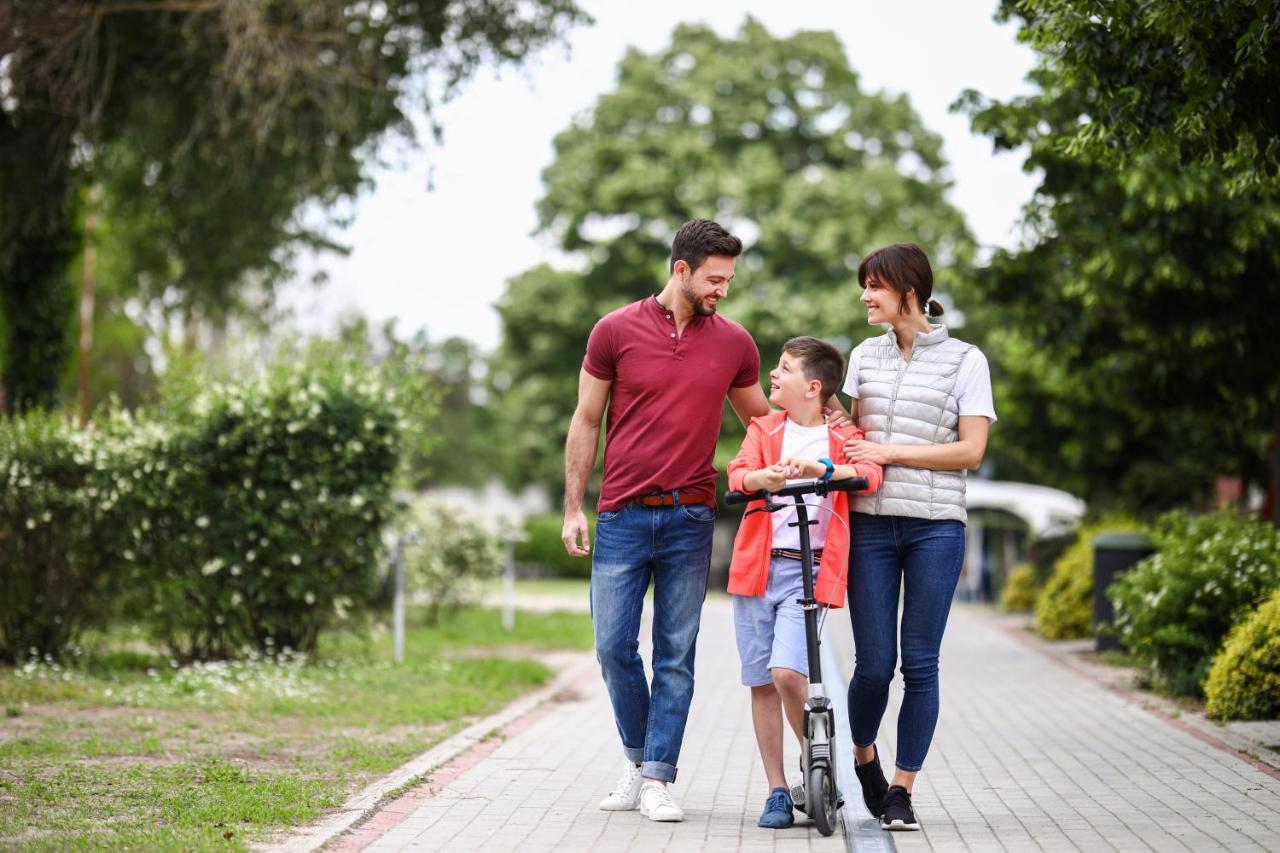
x,y
822,800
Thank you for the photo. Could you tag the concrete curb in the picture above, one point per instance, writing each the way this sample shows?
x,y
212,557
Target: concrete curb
x,y
368,801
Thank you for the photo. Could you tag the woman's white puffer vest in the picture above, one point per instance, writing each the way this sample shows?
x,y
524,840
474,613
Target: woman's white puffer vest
x,y
912,402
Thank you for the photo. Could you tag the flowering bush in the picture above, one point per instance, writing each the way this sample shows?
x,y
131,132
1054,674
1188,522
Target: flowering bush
x,y
447,551
259,522
1244,681
1173,609
61,515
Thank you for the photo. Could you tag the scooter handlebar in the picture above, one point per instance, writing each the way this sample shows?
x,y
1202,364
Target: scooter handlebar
x,y
815,487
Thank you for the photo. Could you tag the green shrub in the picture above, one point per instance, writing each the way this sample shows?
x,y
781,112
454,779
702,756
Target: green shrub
x,y
1173,609
260,524
1019,593
544,548
1064,608
61,517
447,552
1244,680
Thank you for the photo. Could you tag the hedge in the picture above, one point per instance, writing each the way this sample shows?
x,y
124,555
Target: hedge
x,y
1244,680
1064,608
229,518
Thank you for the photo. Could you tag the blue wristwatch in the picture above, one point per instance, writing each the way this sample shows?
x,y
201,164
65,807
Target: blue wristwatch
x,y
831,469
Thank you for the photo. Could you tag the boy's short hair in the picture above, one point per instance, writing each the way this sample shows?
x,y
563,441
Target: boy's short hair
x,y
819,360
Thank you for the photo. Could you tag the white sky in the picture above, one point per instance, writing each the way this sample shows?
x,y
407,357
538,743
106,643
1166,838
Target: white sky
x,y
440,258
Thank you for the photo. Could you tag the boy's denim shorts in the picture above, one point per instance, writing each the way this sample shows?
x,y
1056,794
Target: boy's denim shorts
x,y
770,627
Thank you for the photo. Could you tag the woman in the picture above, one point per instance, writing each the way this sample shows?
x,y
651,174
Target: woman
x,y
923,399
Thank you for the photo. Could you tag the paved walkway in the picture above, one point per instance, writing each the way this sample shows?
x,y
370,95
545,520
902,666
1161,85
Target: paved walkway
x,y
1029,755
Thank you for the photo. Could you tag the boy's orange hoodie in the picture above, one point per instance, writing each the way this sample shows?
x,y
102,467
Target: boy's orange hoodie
x,y
749,570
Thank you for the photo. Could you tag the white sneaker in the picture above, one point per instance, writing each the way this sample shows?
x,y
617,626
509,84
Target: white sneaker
x,y
656,803
626,794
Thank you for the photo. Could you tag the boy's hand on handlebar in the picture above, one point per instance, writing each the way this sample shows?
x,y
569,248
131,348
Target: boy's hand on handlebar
x,y
575,531
803,468
772,478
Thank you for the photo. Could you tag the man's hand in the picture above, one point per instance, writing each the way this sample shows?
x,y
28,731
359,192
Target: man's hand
x,y
574,534
861,450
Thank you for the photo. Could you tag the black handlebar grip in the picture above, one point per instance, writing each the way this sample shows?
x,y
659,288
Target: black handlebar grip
x,y
850,484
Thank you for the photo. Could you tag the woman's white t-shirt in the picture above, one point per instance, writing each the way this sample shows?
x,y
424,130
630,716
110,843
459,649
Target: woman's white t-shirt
x,y
973,383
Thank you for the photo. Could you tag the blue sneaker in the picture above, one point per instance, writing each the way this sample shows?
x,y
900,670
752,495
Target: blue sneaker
x,y
777,810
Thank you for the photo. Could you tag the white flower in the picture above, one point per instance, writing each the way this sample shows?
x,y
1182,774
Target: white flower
x,y
309,598
202,521
295,559
212,567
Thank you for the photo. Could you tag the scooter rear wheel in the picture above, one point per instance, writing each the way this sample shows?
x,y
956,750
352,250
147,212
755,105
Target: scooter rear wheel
x,y
820,799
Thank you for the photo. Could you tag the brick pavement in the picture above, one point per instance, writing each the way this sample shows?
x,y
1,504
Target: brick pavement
x,y
1029,755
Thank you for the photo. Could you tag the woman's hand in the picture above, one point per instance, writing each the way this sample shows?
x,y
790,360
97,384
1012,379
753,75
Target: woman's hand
x,y
861,450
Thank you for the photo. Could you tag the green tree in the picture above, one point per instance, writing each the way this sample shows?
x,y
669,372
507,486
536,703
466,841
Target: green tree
x,y
1140,325
771,136
1175,80
208,126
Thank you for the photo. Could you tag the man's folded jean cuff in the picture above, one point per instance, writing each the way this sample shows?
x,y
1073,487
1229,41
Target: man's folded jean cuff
x,y
635,756
658,770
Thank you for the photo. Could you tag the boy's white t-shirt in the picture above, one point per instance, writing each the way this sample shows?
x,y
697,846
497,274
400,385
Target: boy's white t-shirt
x,y
802,442
973,383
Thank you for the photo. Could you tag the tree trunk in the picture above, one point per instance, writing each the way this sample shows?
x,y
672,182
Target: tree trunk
x,y
1275,473
86,323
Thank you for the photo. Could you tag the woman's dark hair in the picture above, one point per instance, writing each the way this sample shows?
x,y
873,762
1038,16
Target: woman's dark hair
x,y
905,268
699,239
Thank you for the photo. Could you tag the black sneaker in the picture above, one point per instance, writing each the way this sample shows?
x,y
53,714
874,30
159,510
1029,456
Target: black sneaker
x,y
874,785
897,813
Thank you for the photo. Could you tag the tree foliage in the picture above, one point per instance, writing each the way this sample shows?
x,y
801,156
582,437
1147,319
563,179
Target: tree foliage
x,y
208,127
1175,80
773,137
1141,320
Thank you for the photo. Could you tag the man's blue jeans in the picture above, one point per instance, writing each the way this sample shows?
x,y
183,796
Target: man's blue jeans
x,y
671,546
922,558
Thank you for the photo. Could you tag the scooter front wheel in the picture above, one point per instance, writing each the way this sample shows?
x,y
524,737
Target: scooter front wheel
x,y
820,799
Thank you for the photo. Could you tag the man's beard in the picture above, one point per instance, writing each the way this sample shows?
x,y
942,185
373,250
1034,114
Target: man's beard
x,y
698,305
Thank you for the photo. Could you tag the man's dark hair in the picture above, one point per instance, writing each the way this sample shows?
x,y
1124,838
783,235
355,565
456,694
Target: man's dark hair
x,y
699,239
818,360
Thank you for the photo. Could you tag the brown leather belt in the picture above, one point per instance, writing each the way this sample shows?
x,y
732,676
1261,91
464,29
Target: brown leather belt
x,y
676,497
794,554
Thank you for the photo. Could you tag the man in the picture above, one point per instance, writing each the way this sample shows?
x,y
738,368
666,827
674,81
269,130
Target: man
x,y
664,365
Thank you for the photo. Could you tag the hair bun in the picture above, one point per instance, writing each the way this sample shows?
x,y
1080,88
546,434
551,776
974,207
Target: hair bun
x,y
934,308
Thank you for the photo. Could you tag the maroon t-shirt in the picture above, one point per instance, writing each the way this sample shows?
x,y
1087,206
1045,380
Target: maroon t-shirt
x,y
667,397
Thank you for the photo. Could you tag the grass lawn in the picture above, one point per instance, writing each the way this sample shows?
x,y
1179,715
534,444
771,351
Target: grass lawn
x,y
119,748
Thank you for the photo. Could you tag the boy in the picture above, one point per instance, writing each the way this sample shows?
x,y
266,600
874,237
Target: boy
x,y
764,575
